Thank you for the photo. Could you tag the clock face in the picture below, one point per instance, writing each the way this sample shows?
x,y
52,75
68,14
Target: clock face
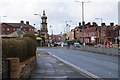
x,y
43,20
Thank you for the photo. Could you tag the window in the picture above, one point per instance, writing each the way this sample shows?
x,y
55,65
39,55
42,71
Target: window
x,y
3,29
14,29
108,33
8,29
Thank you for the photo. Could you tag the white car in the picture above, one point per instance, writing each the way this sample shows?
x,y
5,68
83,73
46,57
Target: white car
x,y
76,44
65,44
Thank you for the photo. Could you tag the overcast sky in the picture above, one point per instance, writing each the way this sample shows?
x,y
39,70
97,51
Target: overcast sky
x,y
58,12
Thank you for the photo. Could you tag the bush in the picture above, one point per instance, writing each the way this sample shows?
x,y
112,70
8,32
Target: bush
x,y
30,35
23,48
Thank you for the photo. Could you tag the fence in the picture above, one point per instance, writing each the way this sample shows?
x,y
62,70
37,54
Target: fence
x,y
5,68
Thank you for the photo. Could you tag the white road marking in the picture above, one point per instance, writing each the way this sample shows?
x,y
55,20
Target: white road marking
x,y
39,49
55,77
38,54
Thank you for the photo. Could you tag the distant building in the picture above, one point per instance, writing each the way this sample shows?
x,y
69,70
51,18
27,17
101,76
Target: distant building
x,y
119,13
9,28
96,34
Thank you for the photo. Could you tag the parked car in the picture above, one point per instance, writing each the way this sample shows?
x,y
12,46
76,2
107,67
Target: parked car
x,y
76,44
65,44
97,46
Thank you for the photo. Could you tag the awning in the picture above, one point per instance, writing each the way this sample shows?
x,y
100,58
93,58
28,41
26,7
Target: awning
x,y
38,38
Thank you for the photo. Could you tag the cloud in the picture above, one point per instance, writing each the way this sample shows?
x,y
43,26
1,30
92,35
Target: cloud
x,y
58,11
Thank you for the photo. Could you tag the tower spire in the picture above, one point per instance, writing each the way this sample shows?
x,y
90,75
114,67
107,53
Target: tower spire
x,y
43,12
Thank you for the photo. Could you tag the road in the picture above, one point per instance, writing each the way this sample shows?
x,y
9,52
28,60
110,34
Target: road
x,y
100,65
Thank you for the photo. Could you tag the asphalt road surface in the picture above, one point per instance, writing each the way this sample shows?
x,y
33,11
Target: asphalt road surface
x,y
100,65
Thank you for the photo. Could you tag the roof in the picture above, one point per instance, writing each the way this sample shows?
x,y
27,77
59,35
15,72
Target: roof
x,y
90,29
16,34
18,25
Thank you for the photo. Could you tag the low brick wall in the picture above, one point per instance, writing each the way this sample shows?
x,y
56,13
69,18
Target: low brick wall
x,y
21,69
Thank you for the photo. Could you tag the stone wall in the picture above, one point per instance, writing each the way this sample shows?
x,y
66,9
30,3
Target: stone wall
x,y
21,69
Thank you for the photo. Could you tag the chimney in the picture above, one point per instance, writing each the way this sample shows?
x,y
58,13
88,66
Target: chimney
x,y
21,21
27,22
79,24
103,24
89,23
111,24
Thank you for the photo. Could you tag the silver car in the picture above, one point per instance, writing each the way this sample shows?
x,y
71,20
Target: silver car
x,y
76,44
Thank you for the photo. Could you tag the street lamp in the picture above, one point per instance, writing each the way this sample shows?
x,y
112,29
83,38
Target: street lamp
x,y
51,32
83,22
39,16
67,24
100,19
1,24
1,39
40,28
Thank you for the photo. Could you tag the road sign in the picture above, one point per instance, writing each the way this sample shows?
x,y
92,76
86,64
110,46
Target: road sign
x,y
42,36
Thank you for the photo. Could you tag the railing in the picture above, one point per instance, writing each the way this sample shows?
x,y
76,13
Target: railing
x,y
5,68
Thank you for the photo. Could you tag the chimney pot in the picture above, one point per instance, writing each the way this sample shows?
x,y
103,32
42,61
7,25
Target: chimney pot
x,y
111,24
27,22
79,24
89,23
21,21
103,24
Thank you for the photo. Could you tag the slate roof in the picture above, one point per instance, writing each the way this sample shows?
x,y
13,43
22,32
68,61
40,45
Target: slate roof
x,y
18,33
18,25
90,29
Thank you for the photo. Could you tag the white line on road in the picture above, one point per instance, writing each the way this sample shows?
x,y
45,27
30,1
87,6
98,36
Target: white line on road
x,y
39,55
76,67
39,49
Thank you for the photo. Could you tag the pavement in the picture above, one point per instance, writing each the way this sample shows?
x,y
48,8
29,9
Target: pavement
x,y
50,68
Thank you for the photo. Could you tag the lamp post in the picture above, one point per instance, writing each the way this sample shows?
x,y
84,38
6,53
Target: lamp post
x,y
83,22
40,29
51,32
1,24
39,16
1,41
67,24
100,19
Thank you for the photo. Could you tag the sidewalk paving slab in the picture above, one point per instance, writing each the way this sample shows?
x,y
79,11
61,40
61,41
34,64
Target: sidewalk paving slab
x,y
50,68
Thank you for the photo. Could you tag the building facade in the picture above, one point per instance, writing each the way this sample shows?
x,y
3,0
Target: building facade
x,y
8,28
94,34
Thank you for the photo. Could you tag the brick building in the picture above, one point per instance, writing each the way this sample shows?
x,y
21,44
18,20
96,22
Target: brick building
x,y
95,34
8,28
105,33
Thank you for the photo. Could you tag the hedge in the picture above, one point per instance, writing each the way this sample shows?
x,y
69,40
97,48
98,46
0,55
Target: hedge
x,y
23,48
31,45
30,35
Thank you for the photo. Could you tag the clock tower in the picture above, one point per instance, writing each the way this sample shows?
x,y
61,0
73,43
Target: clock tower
x,y
44,29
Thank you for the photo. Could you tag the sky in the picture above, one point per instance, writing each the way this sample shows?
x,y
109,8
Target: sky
x,y
58,12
